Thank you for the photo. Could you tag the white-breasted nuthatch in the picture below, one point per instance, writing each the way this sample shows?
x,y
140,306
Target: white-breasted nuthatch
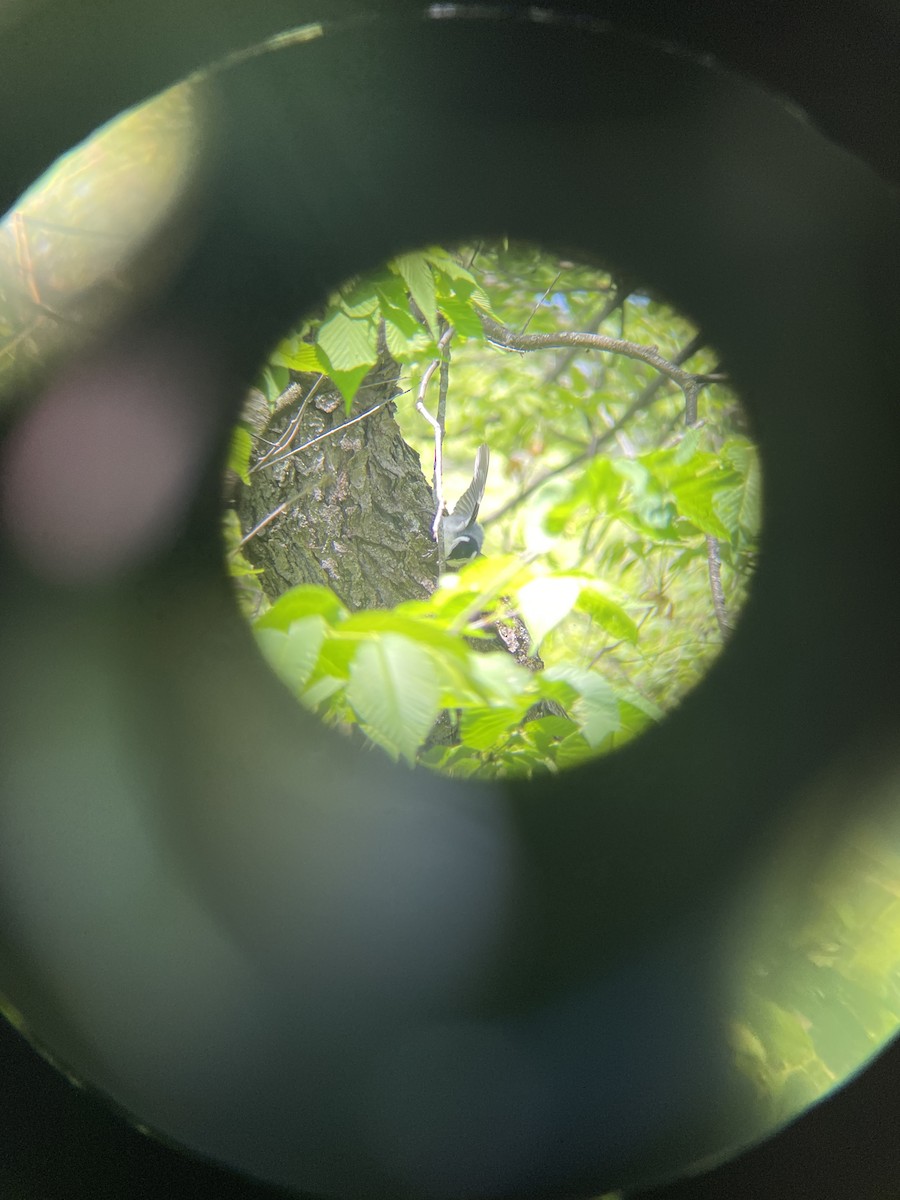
x,y
462,537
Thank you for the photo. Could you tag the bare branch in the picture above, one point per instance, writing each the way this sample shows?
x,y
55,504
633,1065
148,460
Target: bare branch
x,y
289,396
642,401
538,303
613,301
437,485
443,388
500,335
714,563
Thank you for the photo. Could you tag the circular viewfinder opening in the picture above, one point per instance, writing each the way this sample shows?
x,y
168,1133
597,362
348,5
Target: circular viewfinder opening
x,y
493,509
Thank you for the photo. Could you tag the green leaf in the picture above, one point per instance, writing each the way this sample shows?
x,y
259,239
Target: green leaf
x,y
361,300
741,455
671,467
629,698
696,500
740,507
500,680
544,602
321,690
305,600
393,691
550,729
275,378
596,709
445,604
484,580
596,489
239,451
650,507
347,383
632,719
463,316
394,296
598,716
450,758
485,728
417,275
608,613
337,656
466,766
378,621
402,319
441,258
297,356
463,283
548,735
293,655
239,568
403,346
348,342
687,447
572,751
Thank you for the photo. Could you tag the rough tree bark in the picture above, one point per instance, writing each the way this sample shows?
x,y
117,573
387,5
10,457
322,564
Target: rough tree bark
x,y
353,509
358,511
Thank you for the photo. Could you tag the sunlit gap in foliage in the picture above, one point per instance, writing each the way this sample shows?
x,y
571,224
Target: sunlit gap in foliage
x,y
561,612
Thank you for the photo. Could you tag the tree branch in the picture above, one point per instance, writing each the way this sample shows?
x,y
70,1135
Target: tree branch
x,y
538,303
291,394
436,425
715,584
643,400
500,335
620,294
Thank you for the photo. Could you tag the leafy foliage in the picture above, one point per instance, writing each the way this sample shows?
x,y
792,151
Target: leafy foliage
x,y
389,674
403,301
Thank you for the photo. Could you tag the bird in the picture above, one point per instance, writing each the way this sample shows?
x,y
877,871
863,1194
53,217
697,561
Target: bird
x,y
462,537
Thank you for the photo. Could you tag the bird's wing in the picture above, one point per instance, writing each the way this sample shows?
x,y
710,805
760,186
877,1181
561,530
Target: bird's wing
x,y
466,506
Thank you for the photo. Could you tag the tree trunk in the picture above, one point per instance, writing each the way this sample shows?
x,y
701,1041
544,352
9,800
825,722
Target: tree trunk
x,y
353,509
357,509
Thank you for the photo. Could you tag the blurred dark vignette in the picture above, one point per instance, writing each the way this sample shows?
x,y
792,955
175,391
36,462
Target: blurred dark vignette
x,y
66,68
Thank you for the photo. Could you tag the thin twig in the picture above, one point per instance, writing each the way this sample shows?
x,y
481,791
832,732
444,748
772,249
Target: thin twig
x,y
443,388
643,400
328,433
625,444
267,520
605,650
538,303
595,319
437,484
714,563
287,397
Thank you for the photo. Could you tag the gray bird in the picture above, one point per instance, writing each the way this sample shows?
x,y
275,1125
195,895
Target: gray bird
x,y
461,535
